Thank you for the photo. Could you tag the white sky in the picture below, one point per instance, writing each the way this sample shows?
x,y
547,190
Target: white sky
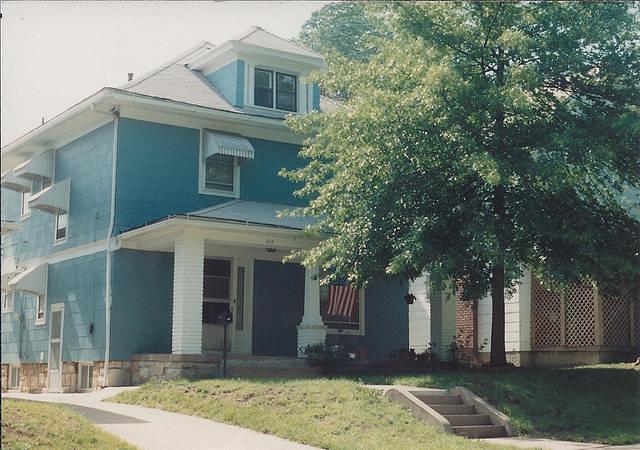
x,y
54,54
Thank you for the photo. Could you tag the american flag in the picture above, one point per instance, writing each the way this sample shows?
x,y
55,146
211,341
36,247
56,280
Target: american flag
x,y
342,300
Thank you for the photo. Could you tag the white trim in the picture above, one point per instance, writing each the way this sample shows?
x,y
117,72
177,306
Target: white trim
x,y
43,298
81,379
54,308
14,387
361,325
8,301
67,254
65,238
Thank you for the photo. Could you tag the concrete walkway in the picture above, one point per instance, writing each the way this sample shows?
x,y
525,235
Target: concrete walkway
x,y
153,429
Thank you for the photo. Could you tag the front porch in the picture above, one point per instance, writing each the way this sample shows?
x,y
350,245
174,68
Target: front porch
x,y
228,259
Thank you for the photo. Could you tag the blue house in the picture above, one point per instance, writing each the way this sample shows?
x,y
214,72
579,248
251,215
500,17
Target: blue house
x,y
133,221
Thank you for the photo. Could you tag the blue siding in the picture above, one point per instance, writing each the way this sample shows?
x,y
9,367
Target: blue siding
x,y
278,304
386,321
229,80
79,284
142,303
158,171
87,162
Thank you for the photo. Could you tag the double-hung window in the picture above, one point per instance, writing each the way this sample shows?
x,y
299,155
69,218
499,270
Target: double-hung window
x,y
281,93
41,309
220,173
7,301
62,220
342,308
25,210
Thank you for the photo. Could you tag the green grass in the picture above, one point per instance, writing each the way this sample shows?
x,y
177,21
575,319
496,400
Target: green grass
x,y
591,403
35,425
332,414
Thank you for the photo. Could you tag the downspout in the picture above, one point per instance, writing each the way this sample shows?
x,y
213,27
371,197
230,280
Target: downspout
x,y
110,247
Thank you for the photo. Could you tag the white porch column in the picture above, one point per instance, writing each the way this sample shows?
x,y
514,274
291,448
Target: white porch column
x,y
186,336
311,330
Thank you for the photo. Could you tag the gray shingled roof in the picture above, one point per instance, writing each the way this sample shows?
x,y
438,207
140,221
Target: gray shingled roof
x,y
261,38
178,83
255,213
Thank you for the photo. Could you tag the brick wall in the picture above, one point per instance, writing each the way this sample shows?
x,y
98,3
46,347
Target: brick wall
x,y
466,325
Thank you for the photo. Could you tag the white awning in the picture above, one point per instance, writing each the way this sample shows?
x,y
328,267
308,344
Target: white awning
x,y
12,182
227,144
54,199
38,168
31,280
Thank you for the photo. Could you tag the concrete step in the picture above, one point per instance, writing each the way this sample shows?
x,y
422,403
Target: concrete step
x,y
468,419
454,410
440,399
480,431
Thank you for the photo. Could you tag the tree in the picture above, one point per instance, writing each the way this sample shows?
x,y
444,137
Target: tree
x,y
482,140
347,28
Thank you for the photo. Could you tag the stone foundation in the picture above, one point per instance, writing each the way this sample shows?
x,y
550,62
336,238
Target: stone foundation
x,y
170,367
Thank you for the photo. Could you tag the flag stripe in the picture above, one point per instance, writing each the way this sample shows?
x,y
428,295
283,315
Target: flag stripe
x,y
342,301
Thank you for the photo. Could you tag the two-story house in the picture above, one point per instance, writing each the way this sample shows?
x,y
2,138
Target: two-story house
x,y
133,221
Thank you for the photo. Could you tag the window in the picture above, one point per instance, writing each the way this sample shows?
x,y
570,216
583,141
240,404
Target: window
x,y
263,89
342,308
61,227
284,90
7,301
14,377
220,173
25,211
216,288
85,381
41,308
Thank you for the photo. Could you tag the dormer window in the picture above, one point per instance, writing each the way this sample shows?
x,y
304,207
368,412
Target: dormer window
x,y
284,90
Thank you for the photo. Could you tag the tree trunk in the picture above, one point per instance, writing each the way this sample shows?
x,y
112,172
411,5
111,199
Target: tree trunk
x,y
498,354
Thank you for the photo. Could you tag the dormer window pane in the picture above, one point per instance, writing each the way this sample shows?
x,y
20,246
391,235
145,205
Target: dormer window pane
x,y
263,90
286,92
219,173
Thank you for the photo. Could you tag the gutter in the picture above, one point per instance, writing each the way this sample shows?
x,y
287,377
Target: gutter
x,y
111,240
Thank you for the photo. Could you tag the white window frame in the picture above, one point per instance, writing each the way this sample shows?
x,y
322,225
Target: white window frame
x,y
55,230
81,379
361,330
24,200
13,387
8,301
301,89
41,298
202,164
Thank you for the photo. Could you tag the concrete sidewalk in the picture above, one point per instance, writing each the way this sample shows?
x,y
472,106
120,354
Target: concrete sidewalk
x,y
555,445
153,429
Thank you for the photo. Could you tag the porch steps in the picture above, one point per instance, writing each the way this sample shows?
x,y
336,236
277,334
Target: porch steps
x,y
463,417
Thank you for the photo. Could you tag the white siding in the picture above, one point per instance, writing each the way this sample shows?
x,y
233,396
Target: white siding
x,y
517,316
420,315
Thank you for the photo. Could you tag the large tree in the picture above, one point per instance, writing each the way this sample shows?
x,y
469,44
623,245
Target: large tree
x,y
483,139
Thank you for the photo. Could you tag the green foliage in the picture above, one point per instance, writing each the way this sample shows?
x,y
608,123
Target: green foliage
x,y
345,28
482,136
326,355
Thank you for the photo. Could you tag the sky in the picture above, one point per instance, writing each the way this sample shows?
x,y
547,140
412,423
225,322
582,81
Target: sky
x,y
54,54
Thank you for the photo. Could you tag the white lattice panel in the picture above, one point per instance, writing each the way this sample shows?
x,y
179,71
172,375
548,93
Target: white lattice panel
x,y
615,321
546,312
580,315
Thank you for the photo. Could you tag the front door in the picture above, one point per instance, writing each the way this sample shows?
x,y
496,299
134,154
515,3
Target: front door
x,y
56,327
217,300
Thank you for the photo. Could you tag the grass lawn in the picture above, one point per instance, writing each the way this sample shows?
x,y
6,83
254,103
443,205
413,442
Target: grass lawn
x,y
35,425
590,403
333,414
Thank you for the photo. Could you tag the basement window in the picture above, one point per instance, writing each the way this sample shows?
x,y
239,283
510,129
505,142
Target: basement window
x,y
85,380
14,377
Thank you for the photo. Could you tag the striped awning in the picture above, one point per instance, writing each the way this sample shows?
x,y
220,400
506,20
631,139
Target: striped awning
x,y
31,280
12,182
227,144
38,168
54,199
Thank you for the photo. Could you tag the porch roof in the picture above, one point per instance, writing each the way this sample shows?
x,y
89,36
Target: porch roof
x,y
255,213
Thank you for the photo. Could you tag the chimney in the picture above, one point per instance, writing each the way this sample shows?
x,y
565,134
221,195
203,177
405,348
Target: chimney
x,y
130,76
